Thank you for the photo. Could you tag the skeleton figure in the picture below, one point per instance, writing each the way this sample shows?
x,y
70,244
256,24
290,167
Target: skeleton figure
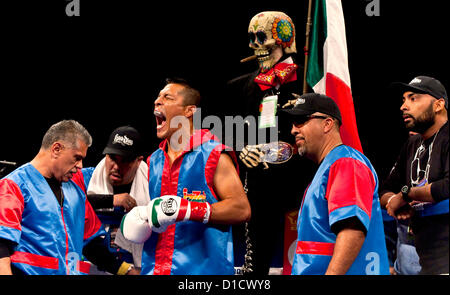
x,y
271,33
274,179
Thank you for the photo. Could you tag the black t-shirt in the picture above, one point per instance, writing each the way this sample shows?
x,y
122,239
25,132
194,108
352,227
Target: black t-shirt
x,y
416,154
430,232
55,185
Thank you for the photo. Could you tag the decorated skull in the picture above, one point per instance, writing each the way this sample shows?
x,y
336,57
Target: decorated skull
x,y
271,33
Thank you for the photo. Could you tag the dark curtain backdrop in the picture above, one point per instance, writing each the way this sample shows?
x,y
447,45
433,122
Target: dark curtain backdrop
x,y
106,67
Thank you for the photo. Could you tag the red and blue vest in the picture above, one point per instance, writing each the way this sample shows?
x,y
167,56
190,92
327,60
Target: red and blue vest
x,y
345,185
49,238
189,247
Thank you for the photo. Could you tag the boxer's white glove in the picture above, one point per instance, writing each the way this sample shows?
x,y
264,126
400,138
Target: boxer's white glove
x,y
135,226
167,210
251,156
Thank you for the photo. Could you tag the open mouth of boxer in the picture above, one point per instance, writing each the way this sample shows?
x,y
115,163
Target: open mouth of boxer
x,y
160,119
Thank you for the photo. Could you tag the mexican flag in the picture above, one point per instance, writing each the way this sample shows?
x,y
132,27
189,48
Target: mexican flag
x,y
328,66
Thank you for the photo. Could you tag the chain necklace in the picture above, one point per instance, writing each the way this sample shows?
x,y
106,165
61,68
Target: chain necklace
x,y
247,268
420,149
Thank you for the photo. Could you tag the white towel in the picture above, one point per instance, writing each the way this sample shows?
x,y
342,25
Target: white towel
x,y
99,184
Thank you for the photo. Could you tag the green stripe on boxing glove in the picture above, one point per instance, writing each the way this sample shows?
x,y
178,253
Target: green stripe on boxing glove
x,y
167,210
135,226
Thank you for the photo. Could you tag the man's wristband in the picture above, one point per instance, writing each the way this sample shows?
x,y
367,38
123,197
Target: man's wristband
x,y
390,198
194,211
200,212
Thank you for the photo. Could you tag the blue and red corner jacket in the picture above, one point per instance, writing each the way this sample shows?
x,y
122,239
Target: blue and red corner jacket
x,y
49,238
344,186
188,248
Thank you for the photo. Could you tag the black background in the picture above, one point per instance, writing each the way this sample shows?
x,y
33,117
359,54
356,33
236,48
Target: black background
x,y
106,67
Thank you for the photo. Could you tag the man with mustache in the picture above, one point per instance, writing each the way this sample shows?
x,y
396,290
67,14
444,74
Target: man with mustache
x,y
417,187
46,222
340,227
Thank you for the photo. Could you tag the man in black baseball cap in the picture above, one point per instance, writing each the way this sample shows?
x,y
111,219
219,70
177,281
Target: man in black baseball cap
x,y
423,84
119,182
424,98
310,103
314,143
343,182
416,190
124,141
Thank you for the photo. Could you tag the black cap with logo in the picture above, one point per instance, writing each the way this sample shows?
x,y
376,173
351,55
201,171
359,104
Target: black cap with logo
x,y
309,103
124,141
423,84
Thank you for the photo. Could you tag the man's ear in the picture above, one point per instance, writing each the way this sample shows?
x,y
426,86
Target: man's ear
x,y
56,149
190,110
439,105
329,124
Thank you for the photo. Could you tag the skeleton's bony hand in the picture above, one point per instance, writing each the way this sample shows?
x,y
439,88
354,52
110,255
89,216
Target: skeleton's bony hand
x,y
289,103
251,156
292,101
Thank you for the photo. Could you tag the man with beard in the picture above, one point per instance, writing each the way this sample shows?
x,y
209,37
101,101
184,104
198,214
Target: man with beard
x,y
417,187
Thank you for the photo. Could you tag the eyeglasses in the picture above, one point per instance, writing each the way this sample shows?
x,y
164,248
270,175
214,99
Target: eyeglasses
x,y
301,121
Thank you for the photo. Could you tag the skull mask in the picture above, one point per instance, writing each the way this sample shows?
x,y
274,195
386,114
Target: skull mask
x,y
271,33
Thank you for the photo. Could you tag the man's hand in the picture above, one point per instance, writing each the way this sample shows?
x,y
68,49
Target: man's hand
x,y
135,271
399,208
251,156
124,200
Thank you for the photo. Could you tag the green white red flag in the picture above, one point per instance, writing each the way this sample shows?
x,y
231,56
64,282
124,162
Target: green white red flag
x,y
328,71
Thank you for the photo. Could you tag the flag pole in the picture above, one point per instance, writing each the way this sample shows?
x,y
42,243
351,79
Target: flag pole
x,y
306,49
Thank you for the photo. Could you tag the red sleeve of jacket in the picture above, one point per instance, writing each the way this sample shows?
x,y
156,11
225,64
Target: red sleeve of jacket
x,y
11,208
350,183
